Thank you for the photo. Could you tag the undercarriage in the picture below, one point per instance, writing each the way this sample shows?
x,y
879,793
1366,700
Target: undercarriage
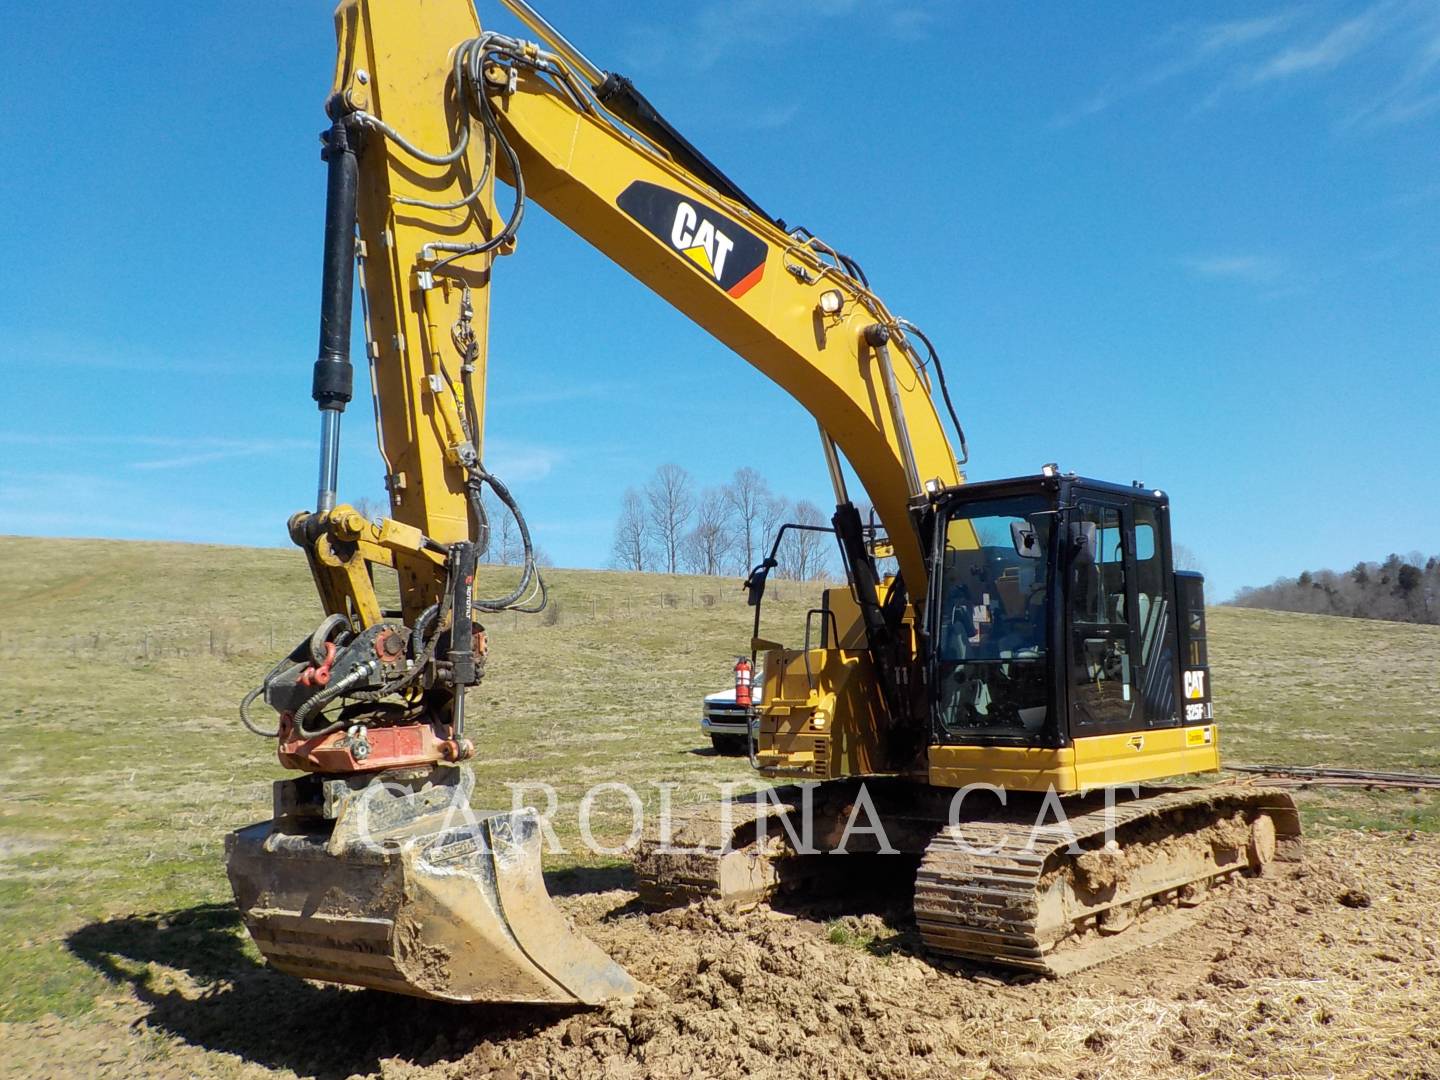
x,y
1038,882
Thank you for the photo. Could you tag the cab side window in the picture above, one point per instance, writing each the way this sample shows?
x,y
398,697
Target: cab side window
x,y
1101,674
1156,669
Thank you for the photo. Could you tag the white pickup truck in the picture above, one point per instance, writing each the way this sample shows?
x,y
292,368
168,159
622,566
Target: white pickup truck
x,y
724,721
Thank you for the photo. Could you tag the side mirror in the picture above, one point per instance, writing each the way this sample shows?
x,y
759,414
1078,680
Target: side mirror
x,y
755,583
1027,543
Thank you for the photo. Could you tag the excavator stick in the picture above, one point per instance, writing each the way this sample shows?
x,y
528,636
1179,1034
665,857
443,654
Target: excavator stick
x,y
392,882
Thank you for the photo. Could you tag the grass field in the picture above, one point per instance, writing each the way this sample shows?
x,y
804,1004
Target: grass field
x,y
122,763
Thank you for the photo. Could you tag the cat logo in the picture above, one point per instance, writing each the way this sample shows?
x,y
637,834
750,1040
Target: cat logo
x,y
730,256
1137,742
700,241
1194,685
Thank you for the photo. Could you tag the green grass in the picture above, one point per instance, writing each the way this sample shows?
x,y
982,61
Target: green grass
x,y
849,933
123,765
1320,690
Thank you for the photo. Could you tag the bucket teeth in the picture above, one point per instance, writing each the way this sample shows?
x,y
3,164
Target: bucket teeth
x,y
398,885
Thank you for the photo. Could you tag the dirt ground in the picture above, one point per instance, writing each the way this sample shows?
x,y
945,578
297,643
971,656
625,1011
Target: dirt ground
x,y
1331,968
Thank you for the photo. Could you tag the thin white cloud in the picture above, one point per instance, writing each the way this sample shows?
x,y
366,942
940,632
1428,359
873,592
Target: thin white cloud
x,y
519,463
1247,268
721,30
1393,47
771,117
220,453
87,503
912,22
62,352
187,451
1191,46
1414,95
1334,48
1217,37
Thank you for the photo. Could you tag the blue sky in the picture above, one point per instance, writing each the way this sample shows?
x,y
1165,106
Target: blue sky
x,y
1197,245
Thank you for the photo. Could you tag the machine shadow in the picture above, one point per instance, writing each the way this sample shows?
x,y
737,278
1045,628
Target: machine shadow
x,y
579,880
191,969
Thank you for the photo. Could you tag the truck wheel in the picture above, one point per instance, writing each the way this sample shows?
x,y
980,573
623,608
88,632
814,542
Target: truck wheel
x,y
728,745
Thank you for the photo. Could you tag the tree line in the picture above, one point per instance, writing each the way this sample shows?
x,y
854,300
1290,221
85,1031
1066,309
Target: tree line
x,y
671,525
1401,589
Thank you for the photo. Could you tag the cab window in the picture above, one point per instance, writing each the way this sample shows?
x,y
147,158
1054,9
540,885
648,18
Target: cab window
x,y
991,641
1101,674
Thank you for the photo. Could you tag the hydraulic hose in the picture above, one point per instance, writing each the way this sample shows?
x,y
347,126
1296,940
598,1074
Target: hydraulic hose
x,y
324,697
907,327
245,703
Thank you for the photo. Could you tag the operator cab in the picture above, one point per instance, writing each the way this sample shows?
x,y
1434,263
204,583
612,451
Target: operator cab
x,y
1056,614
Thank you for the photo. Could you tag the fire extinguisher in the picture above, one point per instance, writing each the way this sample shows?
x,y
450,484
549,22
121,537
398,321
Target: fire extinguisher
x,y
742,682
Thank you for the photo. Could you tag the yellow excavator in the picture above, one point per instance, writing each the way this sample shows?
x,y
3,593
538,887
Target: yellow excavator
x,y
991,707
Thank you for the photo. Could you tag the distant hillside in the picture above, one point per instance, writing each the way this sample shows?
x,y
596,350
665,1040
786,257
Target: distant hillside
x,y
1400,589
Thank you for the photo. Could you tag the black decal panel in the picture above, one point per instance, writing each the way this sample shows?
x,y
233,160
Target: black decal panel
x,y
718,247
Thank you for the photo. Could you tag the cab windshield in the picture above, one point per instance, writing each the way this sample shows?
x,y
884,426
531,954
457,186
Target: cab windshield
x,y
992,639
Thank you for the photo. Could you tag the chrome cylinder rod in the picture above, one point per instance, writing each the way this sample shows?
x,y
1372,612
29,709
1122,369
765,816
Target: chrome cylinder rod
x,y
556,40
878,338
329,460
832,463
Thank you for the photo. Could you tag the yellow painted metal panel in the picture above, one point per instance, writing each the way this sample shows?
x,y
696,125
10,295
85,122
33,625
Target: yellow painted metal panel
x,y
1143,755
1097,761
1018,768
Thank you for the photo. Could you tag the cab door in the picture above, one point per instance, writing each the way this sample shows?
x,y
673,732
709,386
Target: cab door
x,y
1102,643
1157,669
1121,661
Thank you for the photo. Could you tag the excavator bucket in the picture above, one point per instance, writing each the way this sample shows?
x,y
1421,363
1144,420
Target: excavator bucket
x,y
394,883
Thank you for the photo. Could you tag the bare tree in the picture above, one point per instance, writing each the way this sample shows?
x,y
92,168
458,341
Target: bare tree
x,y
504,546
671,503
802,554
493,510
889,565
631,550
709,546
371,509
1184,558
774,512
746,496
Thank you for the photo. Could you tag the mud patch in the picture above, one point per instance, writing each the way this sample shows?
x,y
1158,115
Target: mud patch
x,y
1278,975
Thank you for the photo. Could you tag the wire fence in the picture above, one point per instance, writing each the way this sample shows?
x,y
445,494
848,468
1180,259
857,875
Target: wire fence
x,y
226,638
